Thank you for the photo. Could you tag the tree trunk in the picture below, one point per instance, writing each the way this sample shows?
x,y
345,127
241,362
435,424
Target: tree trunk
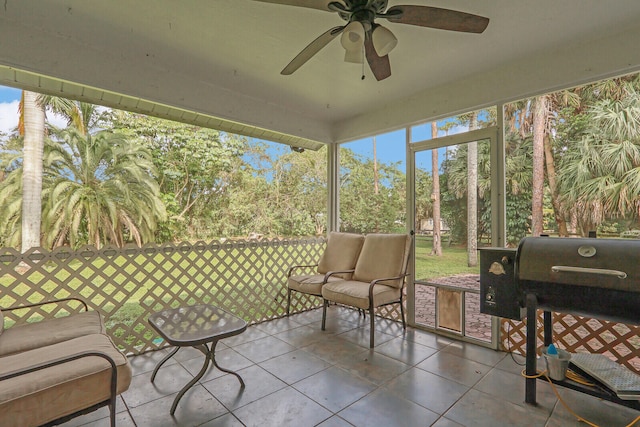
x,y
33,114
376,188
472,196
435,196
574,221
558,212
539,122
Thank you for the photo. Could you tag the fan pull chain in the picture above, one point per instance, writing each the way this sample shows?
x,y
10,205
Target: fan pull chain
x,y
363,62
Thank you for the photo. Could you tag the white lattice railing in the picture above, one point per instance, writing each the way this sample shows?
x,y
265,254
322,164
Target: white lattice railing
x,y
618,341
247,278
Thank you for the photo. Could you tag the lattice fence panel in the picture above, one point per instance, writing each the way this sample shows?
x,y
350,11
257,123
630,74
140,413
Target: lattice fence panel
x,y
127,284
618,341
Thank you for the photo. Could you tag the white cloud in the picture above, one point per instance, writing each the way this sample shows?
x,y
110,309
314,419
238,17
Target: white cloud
x,y
56,120
8,116
458,129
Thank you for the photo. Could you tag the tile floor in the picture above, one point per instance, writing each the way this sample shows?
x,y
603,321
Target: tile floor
x,y
297,375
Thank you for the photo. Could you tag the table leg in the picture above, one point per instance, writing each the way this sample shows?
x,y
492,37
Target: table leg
x,y
213,359
206,351
162,362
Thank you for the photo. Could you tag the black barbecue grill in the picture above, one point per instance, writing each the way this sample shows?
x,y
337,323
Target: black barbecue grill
x,y
585,276
597,277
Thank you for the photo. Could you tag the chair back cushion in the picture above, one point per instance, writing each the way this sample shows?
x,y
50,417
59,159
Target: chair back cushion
x,y
383,255
341,253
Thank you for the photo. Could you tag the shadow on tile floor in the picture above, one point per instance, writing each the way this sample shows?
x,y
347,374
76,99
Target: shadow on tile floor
x,y
297,375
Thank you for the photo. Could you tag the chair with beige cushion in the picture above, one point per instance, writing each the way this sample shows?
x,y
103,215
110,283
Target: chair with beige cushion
x,y
337,263
378,278
59,368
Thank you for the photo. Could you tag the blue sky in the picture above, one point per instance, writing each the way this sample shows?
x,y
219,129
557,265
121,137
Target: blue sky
x,y
390,147
9,94
9,99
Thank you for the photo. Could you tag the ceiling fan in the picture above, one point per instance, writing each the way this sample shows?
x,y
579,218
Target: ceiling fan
x,y
363,37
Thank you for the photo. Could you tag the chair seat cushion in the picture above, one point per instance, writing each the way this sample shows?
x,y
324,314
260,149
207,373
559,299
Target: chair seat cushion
x,y
42,396
354,293
309,284
39,334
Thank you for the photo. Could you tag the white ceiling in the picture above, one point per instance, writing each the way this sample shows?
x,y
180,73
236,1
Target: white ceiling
x,y
222,59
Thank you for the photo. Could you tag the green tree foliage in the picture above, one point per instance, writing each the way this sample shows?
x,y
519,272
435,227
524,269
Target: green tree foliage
x,y
361,209
454,197
11,192
109,175
600,167
192,163
98,187
423,201
592,136
518,154
299,192
282,193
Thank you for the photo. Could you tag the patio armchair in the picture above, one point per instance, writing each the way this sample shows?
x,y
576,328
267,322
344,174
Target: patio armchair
x,y
337,263
378,278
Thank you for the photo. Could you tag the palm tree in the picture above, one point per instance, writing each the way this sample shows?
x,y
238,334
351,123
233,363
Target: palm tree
x,y
601,173
435,196
32,123
540,107
96,187
472,195
99,188
11,196
31,126
558,102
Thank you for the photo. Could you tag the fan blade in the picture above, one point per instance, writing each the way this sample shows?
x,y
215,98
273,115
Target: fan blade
x,y
435,17
313,48
379,65
312,4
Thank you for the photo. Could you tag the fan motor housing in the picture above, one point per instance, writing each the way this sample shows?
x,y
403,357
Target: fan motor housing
x,y
358,10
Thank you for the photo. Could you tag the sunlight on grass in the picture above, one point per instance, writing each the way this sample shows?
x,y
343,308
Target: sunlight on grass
x,y
247,280
453,260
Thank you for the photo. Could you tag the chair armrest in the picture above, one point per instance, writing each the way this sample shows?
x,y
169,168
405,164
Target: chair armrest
x,y
55,301
331,273
67,359
375,282
299,266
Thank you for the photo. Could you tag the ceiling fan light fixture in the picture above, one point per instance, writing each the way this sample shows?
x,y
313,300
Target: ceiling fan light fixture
x,y
383,40
355,56
352,38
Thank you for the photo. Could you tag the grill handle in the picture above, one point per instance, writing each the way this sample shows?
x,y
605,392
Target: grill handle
x,y
568,269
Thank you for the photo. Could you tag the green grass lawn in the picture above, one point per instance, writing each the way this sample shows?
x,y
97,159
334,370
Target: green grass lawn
x,y
453,260
147,283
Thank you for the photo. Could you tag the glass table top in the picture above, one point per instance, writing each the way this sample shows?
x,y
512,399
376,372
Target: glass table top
x,y
198,324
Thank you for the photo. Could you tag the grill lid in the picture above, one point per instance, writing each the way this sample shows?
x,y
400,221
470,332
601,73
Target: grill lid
x,y
602,263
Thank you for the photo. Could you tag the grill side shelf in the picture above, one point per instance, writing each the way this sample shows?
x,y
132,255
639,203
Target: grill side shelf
x,y
530,383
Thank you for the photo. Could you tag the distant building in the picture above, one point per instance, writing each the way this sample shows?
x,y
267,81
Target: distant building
x,y
426,226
